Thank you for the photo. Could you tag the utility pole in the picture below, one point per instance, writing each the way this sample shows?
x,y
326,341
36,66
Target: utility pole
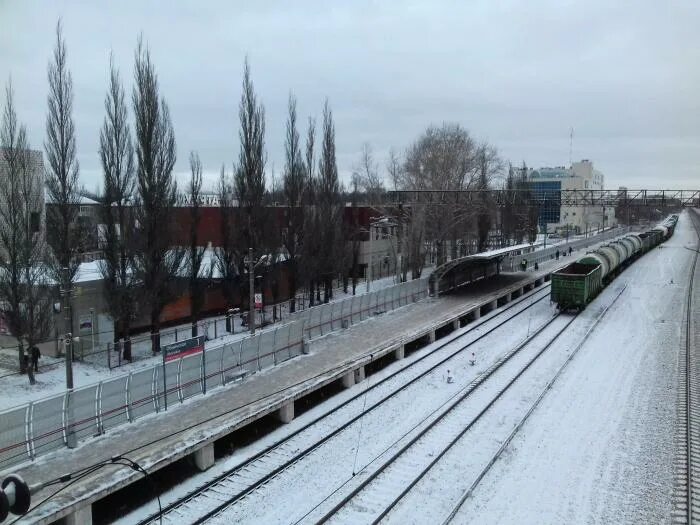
x,y
71,440
369,258
66,293
251,286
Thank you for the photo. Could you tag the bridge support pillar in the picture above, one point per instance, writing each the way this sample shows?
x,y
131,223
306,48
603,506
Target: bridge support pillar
x,y
475,314
488,307
507,298
400,352
82,516
455,324
359,374
431,336
204,457
349,379
286,412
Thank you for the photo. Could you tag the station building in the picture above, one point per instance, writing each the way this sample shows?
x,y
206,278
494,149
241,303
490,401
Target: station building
x,y
554,217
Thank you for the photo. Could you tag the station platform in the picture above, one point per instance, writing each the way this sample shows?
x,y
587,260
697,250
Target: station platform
x,y
192,427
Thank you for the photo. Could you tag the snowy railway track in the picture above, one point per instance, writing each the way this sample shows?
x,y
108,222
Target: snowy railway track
x,y
465,495
381,488
243,479
687,494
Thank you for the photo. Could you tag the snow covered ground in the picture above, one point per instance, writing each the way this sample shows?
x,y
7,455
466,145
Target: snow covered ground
x,y
51,380
336,460
598,449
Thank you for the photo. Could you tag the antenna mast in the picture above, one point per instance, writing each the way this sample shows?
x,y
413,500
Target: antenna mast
x,y
571,146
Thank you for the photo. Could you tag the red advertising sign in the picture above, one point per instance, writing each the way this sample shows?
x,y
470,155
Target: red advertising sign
x,y
184,348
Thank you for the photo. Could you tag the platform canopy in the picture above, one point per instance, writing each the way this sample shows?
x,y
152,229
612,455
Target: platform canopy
x,y
470,268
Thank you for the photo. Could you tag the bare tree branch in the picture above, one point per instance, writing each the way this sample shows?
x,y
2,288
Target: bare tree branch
x,y
158,260
117,158
23,284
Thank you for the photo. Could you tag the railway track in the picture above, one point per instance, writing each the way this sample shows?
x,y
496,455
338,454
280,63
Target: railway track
x,y
687,494
243,479
465,495
382,487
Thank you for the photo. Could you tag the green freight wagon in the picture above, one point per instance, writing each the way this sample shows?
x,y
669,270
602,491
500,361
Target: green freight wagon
x,y
575,285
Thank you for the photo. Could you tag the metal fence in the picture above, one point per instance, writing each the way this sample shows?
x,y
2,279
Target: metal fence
x,y
37,428
42,426
320,320
109,355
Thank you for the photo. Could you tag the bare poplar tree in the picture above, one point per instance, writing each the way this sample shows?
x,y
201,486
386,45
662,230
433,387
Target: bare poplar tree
x,y
483,217
228,254
330,207
295,190
62,171
355,234
312,225
117,159
249,177
509,221
196,252
158,261
23,288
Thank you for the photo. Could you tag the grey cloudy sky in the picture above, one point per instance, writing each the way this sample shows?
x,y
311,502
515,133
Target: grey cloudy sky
x,y
624,75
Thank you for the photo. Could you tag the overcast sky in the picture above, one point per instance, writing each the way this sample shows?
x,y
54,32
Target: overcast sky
x,y
624,75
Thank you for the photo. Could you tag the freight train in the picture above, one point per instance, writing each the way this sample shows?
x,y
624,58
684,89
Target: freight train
x,y
577,284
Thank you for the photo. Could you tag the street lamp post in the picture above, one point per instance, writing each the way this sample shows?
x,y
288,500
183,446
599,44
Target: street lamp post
x,y
369,259
251,293
66,296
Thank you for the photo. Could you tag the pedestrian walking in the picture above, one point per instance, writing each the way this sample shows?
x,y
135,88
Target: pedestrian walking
x,y
28,366
557,254
36,355
569,250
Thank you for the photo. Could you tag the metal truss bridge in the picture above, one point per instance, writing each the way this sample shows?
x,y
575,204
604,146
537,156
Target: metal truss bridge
x,y
608,198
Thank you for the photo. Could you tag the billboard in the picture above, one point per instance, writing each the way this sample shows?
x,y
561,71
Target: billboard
x,y
173,351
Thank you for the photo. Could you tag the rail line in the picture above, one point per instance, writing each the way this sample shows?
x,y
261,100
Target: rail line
x,y
519,425
242,479
441,434
687,497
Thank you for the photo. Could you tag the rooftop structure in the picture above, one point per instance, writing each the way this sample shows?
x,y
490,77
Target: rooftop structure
x,y
547,185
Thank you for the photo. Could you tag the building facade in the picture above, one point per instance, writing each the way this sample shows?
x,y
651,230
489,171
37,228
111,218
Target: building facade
x,y
547,183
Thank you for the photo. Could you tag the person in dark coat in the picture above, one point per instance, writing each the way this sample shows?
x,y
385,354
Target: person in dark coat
x,y
36,354
28,366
